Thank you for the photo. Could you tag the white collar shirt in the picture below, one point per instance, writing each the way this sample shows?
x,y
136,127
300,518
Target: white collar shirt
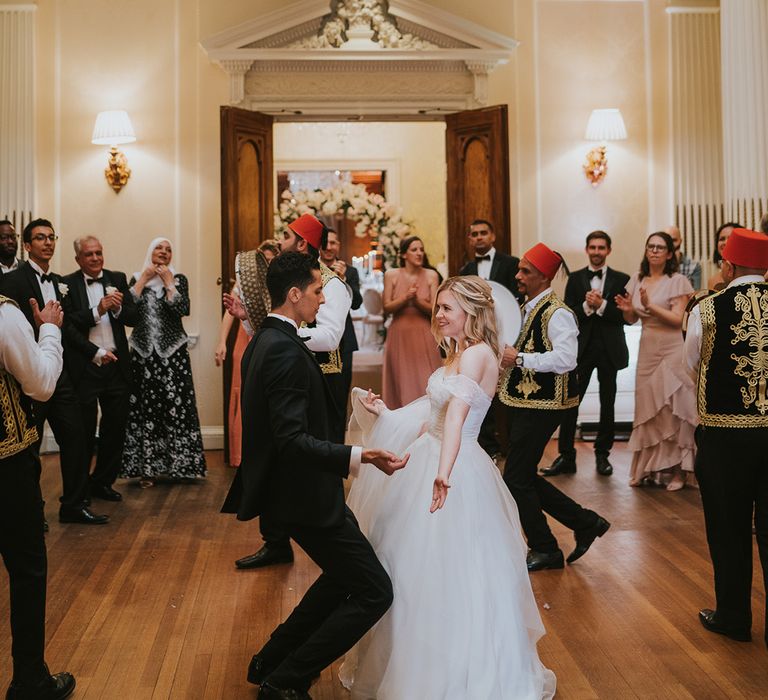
x,y
100,334
5,269
46,288
598,285
484,266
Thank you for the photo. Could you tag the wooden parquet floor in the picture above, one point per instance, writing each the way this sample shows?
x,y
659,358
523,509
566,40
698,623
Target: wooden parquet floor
x,y
151,606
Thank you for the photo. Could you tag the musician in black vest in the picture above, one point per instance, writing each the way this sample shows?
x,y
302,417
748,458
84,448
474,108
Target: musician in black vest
x,y
28,370
726,346
590,293
9,247
34,281
98,307
490,264
538,385
292,472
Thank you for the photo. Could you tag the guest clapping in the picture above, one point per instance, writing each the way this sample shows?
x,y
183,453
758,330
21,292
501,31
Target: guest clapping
x,y
665,410
410,353
163,436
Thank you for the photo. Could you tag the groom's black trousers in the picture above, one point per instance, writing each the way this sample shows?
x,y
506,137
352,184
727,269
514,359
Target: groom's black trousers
x,y
529,432
352,593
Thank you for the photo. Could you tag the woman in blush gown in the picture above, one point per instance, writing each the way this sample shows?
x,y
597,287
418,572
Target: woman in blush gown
x,y
464,622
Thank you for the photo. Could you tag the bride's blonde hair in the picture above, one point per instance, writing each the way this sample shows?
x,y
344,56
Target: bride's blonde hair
x,y
475,298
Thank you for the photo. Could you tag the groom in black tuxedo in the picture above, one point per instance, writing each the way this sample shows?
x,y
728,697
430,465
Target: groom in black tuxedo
x,y
293,474
590,293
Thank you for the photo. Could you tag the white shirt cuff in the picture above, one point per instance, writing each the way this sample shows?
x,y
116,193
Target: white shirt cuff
x,y
96,314
588,310
355,459
116,312
49,330
601,309
99,356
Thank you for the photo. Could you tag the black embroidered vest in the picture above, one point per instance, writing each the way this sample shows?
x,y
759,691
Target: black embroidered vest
x,y
523,387
330,362
17,428
732,390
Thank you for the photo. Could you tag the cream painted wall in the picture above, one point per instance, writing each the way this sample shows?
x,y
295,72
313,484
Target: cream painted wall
x,y
417,152
144,56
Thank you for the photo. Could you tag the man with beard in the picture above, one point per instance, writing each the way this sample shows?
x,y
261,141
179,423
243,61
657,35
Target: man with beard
x,y
9,245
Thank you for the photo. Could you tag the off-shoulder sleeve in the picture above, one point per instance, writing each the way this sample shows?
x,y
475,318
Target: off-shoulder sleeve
x,y
466,389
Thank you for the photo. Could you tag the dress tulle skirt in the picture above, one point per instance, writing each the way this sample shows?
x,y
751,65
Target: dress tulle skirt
x,y
464,623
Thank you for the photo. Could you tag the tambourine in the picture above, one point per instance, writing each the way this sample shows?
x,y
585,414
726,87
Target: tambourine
x,y
509,318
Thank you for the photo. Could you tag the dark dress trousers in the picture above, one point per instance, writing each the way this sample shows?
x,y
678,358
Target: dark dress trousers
x,y
292,473
602,347
349,339
107,385
62,410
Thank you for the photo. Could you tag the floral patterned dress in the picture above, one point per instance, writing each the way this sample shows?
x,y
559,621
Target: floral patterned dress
x,y
163,434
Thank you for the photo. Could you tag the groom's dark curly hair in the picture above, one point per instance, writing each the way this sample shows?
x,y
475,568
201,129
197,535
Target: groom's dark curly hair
x,y
289,270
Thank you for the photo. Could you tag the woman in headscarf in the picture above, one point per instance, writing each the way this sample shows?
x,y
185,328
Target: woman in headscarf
x,y
163,434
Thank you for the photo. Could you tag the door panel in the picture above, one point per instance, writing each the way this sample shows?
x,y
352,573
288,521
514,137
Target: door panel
x,y
477,153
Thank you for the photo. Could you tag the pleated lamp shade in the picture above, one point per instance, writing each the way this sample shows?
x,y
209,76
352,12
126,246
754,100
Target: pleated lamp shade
x,y
113,128
605,125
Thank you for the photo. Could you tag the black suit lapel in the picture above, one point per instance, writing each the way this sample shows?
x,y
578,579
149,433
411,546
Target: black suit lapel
x,y
494,267
34,286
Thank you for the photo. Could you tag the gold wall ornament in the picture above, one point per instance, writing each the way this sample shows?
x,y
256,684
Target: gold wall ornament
x,y
596,165
117,171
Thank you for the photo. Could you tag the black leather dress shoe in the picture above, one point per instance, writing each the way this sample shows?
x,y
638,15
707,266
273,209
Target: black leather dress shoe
x,y
585,538
562,465
46,527
270,692
81,515
266,556
56,687
105,493
544,560
708,619
603,466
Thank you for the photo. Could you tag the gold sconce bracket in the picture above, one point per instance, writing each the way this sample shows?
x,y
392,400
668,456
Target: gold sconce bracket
x,y
117,172
596,165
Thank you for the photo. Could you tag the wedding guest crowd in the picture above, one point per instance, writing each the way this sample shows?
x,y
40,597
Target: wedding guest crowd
x,y
716,282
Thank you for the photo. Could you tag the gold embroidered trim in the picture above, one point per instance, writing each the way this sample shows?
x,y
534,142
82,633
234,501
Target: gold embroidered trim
x,y
251,273
333,366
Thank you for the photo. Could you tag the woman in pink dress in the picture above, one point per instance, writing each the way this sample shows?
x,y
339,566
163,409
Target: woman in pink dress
x,y
665,406
410,352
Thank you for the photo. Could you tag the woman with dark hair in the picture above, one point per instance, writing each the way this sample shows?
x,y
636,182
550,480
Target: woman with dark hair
x,y
665,409
410,353
716,282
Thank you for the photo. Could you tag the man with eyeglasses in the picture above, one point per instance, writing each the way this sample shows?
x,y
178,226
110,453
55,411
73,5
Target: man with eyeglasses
x,y
9,244
32,286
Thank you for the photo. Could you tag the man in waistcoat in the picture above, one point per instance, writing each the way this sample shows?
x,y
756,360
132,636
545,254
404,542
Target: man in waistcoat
x,y
539,383
727,345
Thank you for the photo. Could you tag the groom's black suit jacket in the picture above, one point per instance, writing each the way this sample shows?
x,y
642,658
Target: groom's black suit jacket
x,y
503,271
290,471
610,326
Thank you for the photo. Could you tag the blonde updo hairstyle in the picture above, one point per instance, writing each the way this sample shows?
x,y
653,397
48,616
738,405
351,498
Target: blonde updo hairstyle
x,y
475,298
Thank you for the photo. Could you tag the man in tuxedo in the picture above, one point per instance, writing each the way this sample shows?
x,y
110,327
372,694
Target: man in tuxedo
x,y
32,286
293,473
9,246
590,293
98,307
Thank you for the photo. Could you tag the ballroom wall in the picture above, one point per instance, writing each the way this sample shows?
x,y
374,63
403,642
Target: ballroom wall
x,y
144,56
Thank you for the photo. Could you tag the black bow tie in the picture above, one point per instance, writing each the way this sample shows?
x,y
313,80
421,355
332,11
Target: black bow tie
x,y
596,273
93,280
478,258
44,277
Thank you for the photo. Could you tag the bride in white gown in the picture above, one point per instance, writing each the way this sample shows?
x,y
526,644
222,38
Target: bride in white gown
x,y
464,623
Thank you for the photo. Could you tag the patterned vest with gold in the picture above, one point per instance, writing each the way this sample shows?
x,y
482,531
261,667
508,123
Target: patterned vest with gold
x,y
732,390
17,428
523,387
330,362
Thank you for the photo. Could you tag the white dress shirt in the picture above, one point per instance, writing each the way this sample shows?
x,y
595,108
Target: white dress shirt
x,y
598,285
35,365
5,269
46,288
484,266
563,333
693,336
101,334
331,318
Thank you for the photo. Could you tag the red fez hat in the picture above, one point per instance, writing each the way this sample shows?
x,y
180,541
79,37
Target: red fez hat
x,y
308,228
747,248
544,260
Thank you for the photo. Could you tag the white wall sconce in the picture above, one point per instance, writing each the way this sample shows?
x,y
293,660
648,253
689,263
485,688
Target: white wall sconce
x,y
603,125
114,128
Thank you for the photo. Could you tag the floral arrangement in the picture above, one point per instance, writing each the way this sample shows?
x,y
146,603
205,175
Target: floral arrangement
x,y
375,217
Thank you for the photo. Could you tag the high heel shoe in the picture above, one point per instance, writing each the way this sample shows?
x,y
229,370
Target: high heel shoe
x,y
678,480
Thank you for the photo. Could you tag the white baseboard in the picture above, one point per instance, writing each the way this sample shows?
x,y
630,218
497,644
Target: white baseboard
x,y
213,439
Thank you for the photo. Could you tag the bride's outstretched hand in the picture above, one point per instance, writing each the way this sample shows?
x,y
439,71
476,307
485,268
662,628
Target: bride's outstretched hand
x,y
373,403
439,493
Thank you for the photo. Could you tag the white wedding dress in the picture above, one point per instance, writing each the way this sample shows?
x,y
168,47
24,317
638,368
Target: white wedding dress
x,y
464,623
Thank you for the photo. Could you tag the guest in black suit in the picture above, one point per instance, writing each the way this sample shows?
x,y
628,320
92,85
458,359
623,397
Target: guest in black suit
x,y
330,256
490,264
34,284
98,308
9,246
590,293
292,473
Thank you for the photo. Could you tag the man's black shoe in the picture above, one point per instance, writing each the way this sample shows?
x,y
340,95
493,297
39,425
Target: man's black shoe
x,y
544,560
585,538
46,527
257,670
562,465
270,692
105,493
708,619
81,515
603,466
55,687
266,556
